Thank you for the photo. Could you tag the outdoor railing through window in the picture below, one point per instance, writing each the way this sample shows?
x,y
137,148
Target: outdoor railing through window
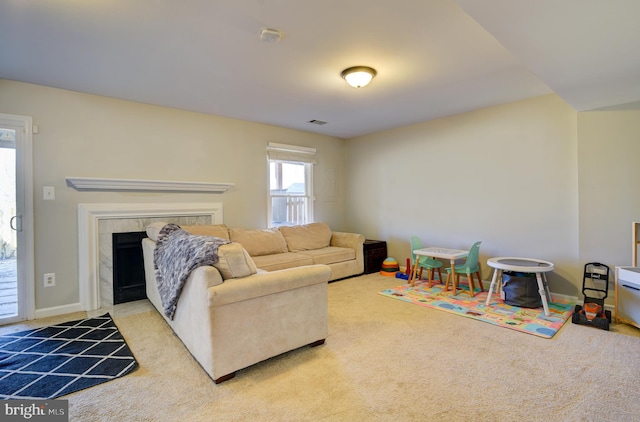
x,y
289,210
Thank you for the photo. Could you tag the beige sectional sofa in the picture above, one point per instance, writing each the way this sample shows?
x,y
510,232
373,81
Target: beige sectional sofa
x,y
294,246
235,314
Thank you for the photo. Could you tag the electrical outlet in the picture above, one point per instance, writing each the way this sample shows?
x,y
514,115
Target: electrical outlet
x,y
49,279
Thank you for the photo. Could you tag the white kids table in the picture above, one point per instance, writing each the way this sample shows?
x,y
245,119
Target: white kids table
x,y
524,265
444,253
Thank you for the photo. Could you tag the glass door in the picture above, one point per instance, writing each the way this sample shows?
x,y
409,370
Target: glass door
x,y
16,246
9,223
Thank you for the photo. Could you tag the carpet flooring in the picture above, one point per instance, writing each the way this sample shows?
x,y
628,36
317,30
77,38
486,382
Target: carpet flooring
x,y
384,361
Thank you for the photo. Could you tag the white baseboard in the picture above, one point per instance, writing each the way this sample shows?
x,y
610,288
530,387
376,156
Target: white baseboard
x,y
58,310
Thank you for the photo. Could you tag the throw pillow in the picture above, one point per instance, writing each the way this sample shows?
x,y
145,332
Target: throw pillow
x,y
234,262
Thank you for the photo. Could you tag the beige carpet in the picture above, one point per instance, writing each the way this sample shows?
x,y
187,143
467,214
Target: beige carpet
x,y
384,360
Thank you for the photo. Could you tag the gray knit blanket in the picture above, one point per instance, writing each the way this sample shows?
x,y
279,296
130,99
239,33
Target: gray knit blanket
x,y
178,253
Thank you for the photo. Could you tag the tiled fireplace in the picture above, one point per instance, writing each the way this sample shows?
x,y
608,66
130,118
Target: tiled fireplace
x,y
97,222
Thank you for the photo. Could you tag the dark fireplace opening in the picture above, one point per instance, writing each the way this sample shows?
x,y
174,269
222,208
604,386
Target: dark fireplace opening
x,y
128,267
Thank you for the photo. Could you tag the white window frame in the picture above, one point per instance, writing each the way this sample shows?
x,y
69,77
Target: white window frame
x,y
294,154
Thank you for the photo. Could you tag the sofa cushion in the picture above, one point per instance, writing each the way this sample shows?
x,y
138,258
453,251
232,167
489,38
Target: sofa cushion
x,y
306,237
330,255
282,261
234,262
259,242
215,230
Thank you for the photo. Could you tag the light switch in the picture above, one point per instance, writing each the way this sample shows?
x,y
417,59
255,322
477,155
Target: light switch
x,y
49,193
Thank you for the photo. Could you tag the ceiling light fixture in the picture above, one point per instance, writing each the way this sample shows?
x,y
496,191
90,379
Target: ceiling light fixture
x,y
270,35
358,76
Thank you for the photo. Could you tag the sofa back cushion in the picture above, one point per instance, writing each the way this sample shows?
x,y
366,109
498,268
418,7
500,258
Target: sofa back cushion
x,y
234,262
306,237
259,242
215,230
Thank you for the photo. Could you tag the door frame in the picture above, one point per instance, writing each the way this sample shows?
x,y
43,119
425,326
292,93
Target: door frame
x,y
24,206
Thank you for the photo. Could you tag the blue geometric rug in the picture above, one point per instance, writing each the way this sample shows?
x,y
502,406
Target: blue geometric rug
x,y
50,362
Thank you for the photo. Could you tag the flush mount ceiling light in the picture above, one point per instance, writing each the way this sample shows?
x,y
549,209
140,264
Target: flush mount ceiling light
x,y
270,35
358,76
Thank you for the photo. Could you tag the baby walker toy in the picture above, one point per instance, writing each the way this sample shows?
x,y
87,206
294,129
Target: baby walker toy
x,y
593,312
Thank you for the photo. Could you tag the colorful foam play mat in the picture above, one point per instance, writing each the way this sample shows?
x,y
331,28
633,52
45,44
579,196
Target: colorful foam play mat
x,y
526,320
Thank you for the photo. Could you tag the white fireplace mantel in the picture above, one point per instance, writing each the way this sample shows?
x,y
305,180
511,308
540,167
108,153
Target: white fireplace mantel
x,y
103,184
89,216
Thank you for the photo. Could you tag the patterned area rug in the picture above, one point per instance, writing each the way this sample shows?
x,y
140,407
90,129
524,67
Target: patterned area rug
x,y
526,320
53,361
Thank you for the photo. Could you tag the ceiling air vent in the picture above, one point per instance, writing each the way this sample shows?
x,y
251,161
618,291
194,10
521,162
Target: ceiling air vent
x,y
317,122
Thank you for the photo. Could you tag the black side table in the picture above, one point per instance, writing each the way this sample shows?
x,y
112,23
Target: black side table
x,y
375,252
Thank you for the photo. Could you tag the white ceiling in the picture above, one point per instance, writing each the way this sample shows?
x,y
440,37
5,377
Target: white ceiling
x,y
434,57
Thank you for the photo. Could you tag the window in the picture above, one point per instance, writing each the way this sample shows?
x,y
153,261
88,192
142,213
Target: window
x,y
290,184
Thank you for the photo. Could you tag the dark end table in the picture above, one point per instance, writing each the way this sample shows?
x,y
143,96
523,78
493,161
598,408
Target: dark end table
x,y
375,252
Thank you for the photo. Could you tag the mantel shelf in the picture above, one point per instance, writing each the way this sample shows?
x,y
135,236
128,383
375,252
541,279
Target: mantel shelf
x,y
102,184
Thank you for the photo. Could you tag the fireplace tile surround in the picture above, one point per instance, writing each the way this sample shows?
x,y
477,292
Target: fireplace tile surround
x,y
106,227
97,222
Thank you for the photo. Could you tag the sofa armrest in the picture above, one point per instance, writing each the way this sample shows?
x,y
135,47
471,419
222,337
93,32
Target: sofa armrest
x,y
263,284
210,275
347,240
354,241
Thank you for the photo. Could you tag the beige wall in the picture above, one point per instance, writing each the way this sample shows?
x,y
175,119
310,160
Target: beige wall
x,y
91,136
609,176
531,178
505,175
